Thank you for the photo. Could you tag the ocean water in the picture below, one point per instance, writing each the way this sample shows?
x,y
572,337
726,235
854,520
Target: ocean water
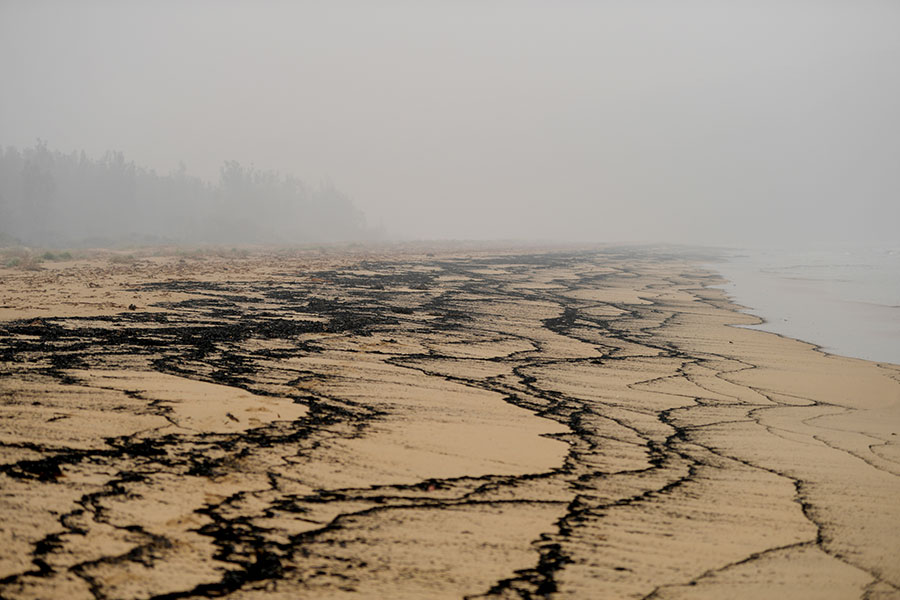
x,y
845,300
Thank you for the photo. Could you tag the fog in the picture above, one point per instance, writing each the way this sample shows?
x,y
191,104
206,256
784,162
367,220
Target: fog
x,y
742,122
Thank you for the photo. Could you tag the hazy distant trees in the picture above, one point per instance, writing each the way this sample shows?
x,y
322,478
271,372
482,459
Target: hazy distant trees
x,y
51,198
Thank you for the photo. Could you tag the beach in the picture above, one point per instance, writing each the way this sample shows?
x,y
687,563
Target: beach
x,y
447,422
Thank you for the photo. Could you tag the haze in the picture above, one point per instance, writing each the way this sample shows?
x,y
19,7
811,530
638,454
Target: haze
x,y
700,122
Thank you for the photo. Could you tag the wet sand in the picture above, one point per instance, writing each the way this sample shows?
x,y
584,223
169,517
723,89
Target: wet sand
x,y
456,423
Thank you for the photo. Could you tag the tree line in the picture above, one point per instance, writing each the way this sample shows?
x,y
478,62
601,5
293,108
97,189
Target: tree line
x,y
51,198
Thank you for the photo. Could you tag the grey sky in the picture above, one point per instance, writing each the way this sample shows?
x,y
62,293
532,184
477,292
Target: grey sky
x,y
712,122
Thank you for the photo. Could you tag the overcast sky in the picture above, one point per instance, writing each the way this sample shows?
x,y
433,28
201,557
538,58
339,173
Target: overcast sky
x,y
711,122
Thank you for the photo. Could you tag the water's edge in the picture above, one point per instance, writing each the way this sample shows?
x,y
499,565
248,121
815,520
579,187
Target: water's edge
x,y
846,302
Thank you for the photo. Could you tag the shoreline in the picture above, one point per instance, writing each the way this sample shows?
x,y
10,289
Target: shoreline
x,y
569,423
843,301
762,322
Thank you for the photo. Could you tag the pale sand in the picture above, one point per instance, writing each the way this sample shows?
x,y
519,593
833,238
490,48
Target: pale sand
x,y
395,425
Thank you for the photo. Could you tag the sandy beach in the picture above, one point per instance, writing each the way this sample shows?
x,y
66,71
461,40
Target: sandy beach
x,y
449,423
